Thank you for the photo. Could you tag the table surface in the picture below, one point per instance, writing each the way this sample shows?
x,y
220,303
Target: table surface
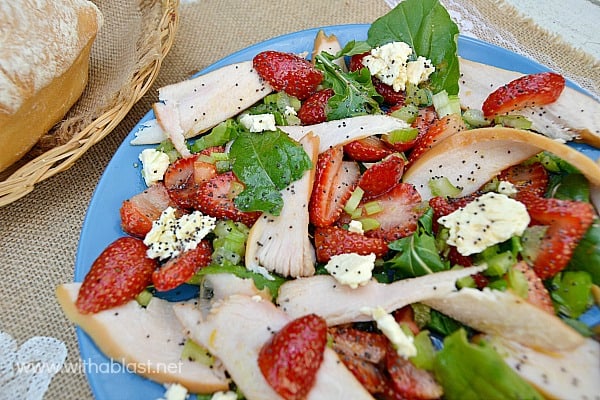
x,y
40,232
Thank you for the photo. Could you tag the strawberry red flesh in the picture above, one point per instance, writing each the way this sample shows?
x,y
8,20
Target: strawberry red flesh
x,y
117,276
437,131
290,360
531,178
180,182
288,72
138,212
333,240
369,149
382,176
314,109
526,91
180,269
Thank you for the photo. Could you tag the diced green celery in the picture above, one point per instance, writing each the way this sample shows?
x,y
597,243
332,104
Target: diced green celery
x,y
402,135
166,146
144,297
531,240
368,224
445,104
217,156
205,158
354,200
357,213
222,255
218,136
425,351
513,121
407,113
572,292
372,207
499,264
194,352
441,186
417,96
517,282
223,166
475,118
498,284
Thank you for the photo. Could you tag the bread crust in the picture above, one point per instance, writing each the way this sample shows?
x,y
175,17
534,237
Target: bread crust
x,y
35,96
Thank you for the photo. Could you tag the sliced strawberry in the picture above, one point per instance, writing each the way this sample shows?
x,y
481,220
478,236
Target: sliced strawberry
x,y
406,316
370,375
138,212
180,183
382,176
356,61
369,149
531,178
290,360
526,91
288,72
335,180
408,381
215,197
401,209
332,240
439,130
180,269
117,276
314,109
537,294
203,171
425,118
567,222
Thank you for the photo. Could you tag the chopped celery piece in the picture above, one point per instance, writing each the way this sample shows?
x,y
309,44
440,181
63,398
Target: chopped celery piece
x,y
205,158
407,113
425,351
218,136
572,292
217,156
517,282
402,135
223,166
166,146
354,200
192,351
513,121
441,186
222,255
369,224
498,284
417,96
144,297
445,104
498,264
531,240
475,118
372,207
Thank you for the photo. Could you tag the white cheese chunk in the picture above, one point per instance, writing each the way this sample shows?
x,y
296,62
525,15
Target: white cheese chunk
x,y
258,122
229,395
352,269
176,391
391,64
488,220
386,323
171,236
154,165
507,188
356,227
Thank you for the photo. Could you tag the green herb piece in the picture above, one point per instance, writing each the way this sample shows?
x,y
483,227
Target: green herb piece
x,y
426,26
218,136
192,351
354,47
441,186
354,91
476,371
266,163
569,186
571,292
553,163
586,256
475,118
425,351
407,113
166,146
144,297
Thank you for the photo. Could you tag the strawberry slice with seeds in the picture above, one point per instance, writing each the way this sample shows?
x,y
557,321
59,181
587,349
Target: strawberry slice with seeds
x,y
290,360
382,176
333,240
335,180
401,209
567,222
314,109
426,117
215,197
408,381
138,212
537,294
369,149
180,183
117,276
288,72
437,131
531,178
180,269
526,91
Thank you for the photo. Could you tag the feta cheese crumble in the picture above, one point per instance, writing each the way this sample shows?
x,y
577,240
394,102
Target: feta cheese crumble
x,y
488,220
356,227
391,64
229,395
171,236
176,391
259,122
154,165
351,269
403,343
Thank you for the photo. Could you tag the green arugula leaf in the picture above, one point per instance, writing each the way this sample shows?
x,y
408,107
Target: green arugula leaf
x,y
586,256
354,91
426,26
266,163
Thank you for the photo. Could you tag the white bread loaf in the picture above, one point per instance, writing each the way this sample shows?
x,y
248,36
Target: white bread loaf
x,y
44,59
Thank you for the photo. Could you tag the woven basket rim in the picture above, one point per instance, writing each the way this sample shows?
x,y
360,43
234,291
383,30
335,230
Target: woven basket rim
x,y
60,158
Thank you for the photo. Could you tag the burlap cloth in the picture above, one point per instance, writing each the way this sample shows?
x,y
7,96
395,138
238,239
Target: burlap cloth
x,y
39,233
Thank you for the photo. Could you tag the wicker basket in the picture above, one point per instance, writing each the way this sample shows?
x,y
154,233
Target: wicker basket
x,y
57,159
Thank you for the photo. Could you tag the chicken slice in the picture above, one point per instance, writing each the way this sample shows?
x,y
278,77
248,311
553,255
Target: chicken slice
x,y
149,340
573,115
281,243
235,331
339,304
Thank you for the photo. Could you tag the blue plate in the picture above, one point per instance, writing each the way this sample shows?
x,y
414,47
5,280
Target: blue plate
x,y
121,180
